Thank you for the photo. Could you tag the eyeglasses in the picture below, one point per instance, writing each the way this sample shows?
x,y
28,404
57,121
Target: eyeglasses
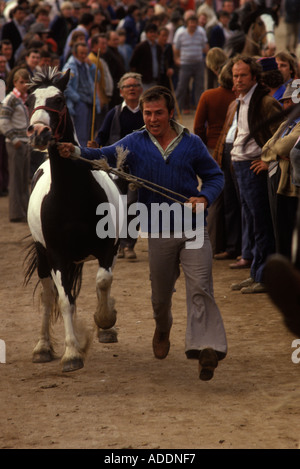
x,y
130,86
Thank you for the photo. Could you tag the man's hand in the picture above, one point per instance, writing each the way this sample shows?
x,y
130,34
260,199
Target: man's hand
x,y
66,149
17,144
92,144
258,165
197,200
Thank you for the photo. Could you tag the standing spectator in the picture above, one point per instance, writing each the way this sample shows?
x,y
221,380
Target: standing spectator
x,y
120,121
32,58
130,25
80,91
3,69
76,36
61,26
255,105
146,57
190,45
6,49
30,63
207,7
220,33
167,64
105,84
209,120
272,77
85,23
14,121
125,49
292,24
287,66
116,65
283,194
14,30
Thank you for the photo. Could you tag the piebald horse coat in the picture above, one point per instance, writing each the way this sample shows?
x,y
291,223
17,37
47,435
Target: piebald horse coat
x,y
62,219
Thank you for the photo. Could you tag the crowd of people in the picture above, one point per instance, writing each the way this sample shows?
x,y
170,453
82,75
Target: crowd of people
x,y
122,50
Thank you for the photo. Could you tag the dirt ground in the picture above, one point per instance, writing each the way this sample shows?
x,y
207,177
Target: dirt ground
x,y
124,397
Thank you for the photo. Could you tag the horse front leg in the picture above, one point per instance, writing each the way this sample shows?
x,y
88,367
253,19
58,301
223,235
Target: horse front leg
x,y
106,315
75,349
43,351
73,358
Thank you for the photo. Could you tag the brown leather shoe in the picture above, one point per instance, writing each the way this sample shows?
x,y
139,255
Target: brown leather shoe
x,y
223,256
161,344
129,253
208,362
241,264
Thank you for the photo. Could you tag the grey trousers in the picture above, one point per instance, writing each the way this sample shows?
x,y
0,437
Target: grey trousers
x,y
205,326
18,167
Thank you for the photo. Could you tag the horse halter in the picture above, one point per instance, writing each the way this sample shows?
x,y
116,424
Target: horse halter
x,y
62,119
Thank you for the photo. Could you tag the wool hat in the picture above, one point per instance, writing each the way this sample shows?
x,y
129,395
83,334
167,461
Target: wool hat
x,y
268,63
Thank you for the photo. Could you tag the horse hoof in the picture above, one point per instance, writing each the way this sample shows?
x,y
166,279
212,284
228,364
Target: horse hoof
x,y
73,365
42,357
105,323
108,336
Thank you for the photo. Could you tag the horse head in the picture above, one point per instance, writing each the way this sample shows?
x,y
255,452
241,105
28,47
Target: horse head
x,y
256,21
49,118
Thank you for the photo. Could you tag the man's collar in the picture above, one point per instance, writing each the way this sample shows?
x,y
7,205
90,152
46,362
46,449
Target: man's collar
x,y
246,99
136,109
179,129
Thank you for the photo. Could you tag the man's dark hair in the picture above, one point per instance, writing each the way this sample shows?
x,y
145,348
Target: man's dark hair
x,y
151,27
155,93
86,19
255,67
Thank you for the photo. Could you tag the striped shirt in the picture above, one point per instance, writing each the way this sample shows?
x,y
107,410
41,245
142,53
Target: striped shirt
x,y
190,45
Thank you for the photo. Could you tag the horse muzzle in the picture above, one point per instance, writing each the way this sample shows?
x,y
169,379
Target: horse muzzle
x,y
40,136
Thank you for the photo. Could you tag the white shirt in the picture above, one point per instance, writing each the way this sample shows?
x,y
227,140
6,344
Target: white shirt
x,y
240,151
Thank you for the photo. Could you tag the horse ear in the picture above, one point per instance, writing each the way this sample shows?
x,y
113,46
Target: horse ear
x,y
62,82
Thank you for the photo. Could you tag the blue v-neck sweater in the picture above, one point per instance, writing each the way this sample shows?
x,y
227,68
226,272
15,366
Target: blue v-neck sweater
x,y
188,160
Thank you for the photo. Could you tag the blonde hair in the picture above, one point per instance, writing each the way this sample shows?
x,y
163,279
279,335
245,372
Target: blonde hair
x,y
215,59
21,73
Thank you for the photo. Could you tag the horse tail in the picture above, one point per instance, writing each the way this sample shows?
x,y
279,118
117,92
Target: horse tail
x,y
75,279
30,262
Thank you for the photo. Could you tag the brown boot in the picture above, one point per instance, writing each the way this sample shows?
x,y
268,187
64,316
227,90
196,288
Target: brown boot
x,y
161,344
208,362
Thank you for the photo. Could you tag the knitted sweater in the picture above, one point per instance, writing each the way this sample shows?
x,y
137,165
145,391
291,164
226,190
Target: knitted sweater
x,y
188,161
14,119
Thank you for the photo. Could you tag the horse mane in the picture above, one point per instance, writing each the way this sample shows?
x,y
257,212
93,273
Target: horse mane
x,y
47,76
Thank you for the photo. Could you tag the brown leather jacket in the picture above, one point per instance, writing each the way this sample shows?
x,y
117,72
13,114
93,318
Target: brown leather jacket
x,y
261,108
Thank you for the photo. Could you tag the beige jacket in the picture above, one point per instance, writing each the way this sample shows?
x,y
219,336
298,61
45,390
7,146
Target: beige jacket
x,y
278,148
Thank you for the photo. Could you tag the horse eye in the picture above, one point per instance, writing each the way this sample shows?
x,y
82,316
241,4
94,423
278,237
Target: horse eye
x,y
59,100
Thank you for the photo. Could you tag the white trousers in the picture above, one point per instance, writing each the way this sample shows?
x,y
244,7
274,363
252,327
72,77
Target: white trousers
x,y
205,326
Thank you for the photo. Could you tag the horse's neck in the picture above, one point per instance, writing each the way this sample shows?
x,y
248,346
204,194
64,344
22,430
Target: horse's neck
x,y
251,45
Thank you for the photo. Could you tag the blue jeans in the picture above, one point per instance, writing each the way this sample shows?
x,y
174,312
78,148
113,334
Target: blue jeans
x,y
83,122
256,210
186,72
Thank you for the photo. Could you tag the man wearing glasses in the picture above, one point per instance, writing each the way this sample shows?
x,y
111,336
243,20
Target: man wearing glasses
x,y
120,121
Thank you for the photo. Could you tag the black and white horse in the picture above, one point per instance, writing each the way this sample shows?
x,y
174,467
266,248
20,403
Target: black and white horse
x,y
62,219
